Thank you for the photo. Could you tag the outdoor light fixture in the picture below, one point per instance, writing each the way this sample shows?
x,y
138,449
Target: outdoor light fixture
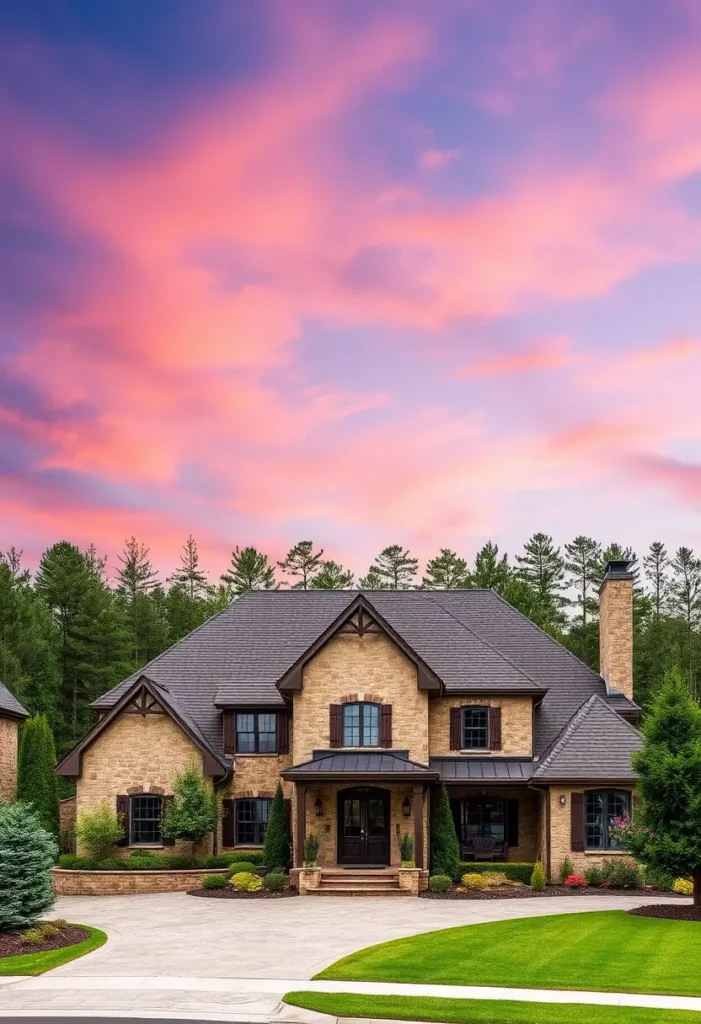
x,y
406,807
563,799
318,807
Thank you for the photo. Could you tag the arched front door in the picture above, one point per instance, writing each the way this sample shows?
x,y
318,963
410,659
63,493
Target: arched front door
x,y
363,826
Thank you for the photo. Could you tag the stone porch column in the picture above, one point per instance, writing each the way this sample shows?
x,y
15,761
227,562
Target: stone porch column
x,y
300,824
419,825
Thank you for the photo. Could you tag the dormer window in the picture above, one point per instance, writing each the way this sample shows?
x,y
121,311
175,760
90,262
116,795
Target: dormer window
x,y
361,725
475,728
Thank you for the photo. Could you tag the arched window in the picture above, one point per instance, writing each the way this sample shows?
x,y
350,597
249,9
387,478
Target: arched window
x,y
361,725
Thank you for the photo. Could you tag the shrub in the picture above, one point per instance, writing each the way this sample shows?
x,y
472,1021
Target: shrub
x,y
224,860
575,882
621,874
406,850
275,881
277,832
494,878
48,929
565,870
683,886
515,871
659,879
311,850
538,879
244,881
215,882
36,777
445,849
594,876
99,831
32,937
191,814
27,854
474,881
440,883
242,868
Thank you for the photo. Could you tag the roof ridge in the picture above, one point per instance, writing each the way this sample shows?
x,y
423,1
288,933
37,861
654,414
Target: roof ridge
x,y
573,726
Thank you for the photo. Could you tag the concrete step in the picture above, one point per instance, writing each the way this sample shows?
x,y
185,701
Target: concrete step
x,y
346,890
361,883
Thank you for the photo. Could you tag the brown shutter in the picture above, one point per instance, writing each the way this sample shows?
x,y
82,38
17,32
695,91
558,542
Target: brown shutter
x,y
228,832
283,732
335,739
386,725
167,801
229,734
123,818
455,728
512,822
495,728
577,822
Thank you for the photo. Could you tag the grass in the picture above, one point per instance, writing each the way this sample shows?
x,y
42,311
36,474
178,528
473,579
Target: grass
x,y
482,1011
38,963
609,951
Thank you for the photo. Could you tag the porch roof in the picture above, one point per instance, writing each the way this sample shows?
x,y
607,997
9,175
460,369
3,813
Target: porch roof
x,y
483,769
386,765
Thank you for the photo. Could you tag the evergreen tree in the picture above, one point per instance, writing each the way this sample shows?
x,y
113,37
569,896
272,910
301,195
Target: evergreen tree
x,y
445,848
332,576
394,567
447,571
29,642
302,561
27,854
189,577
490,572
249,571
13,560
182,615
136,575
276,853
685,597
618,553
37,783
191,814
583,563
373,581
543,568
656,563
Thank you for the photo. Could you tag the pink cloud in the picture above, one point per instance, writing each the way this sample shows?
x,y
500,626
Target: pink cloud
x,y
545,354
438,159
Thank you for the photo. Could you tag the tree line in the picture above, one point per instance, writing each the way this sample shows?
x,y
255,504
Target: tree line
x,y
70,631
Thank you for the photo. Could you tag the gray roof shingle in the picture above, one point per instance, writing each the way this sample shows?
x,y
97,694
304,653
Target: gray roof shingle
x,y
595,744
9,704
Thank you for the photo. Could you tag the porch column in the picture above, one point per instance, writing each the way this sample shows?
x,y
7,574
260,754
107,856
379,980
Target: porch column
x,y
419,826
301,824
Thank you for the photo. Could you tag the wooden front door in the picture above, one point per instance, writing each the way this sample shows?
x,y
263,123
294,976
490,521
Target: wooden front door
x,y
363,826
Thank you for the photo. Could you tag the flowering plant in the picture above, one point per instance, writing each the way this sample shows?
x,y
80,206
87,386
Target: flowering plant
x,y
575,882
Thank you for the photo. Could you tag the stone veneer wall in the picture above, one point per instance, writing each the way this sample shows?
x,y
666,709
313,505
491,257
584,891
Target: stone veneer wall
x,y
560,831
114,883
616,634
516,724
530,816
9,728
255,775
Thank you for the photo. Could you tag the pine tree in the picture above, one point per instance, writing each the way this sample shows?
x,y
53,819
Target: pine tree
x,y
136,575
27,854
394,568
302,561
189,577
276,853
685,598
332,576
13,560
583,563
656,563
37,783
191,814
372,580
249,571
543,568
445,848
447,571
490,572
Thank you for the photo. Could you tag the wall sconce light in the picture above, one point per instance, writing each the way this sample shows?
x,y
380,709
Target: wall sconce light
x,y
318,807
406,807
563,800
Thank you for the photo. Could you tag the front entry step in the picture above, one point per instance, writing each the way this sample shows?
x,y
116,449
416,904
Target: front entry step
x,y
359,883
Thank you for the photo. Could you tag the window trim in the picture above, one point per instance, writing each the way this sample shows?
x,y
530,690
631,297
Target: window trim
x,y
256,734
250,799
146,796
606,848
463,713
361,704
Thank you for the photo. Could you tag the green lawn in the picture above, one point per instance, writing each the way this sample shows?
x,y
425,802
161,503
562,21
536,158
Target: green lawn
x,y
37,963
610,951
482,1011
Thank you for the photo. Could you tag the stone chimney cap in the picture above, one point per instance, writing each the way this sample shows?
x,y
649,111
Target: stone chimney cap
x,y
618,569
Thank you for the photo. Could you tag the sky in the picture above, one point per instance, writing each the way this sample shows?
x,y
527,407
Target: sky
x,y
360,272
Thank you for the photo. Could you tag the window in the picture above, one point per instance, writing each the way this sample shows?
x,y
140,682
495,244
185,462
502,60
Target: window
x,y
600,810
475,728
485,816
361,725
146,817
256,732
251,821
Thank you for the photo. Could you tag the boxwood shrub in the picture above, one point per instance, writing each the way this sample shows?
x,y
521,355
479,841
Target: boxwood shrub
x,y
215,882
242,867
440,883
223,860
515,871
275,881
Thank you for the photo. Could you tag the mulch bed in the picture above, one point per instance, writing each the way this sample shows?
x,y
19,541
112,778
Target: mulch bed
x,y
507,892
670,911
231,894
10,944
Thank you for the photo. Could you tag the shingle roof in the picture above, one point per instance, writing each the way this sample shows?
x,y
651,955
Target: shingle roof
x,y
10,705
595,744
471,639
500,769
376,763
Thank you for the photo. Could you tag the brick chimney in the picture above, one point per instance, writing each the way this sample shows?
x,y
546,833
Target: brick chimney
x,y
616,628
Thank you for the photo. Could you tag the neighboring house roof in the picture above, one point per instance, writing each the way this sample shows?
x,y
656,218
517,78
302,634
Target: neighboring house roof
x,y
483,769
595,744
472,640
10,707
388,763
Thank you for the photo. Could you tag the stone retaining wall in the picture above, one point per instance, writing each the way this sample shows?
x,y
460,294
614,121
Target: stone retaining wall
x,y
116,883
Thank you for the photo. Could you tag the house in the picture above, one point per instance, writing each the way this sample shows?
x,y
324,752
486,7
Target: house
x,y
363,703
11,714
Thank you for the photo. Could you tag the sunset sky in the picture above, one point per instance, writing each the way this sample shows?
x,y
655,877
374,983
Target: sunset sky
x,y
362,272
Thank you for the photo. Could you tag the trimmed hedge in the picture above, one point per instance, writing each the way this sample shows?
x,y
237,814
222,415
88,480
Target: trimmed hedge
x,y
514,870
156,862
223,860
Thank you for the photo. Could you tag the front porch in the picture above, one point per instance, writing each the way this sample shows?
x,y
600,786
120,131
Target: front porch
x,y
501,823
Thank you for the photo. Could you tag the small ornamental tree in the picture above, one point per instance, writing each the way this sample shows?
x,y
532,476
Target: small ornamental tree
x,y
99,831
191,814
27,854
445,848
277,834
36,777
665,833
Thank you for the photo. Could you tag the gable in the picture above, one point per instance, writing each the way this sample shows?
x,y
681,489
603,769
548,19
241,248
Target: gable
x,y
596,744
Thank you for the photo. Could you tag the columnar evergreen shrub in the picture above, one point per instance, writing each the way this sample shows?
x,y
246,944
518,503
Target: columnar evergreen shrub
x,y
27,854
276,852
445,849
191,814
566,869
36,778
538,880
99,831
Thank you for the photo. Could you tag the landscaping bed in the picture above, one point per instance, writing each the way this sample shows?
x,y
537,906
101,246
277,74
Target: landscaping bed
x,y
669,911
70,942
507,892
232,894
11,943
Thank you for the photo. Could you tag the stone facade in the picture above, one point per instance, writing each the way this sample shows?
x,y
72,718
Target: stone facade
x,y
516,724
256,775
616,634
9,729
115,883
561,832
